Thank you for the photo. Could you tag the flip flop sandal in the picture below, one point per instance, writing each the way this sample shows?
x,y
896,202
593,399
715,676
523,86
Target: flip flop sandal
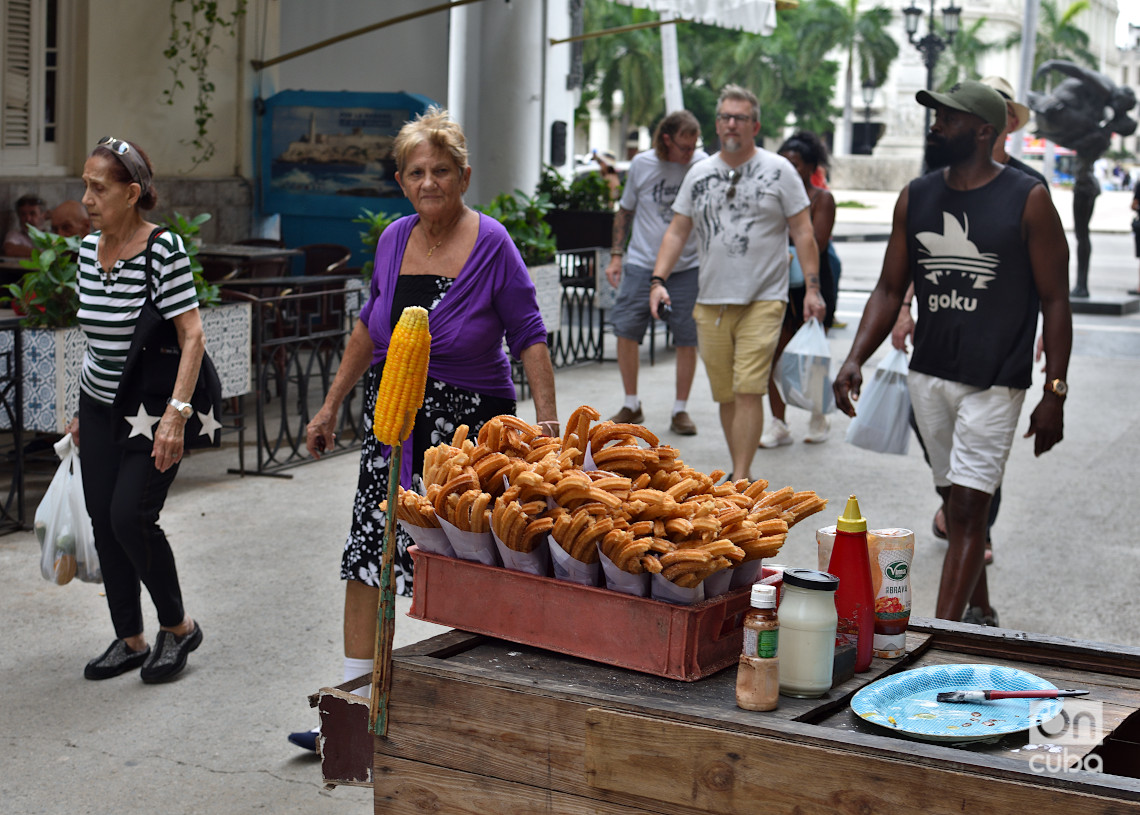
x,y
988,556
938,533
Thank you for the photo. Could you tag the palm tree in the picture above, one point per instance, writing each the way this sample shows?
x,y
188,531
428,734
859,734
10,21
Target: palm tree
x,y
1058,38
629,62
961,58
865,39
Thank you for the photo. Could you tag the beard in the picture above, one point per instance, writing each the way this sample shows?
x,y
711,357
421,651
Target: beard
x,y
942,152
731,143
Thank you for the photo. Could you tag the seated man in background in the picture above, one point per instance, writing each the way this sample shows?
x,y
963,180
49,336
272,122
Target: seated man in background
x,y
29,210
70,220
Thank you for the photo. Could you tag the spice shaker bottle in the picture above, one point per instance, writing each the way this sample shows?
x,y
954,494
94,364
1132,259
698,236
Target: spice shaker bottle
x,y
758,674
854,601
807,637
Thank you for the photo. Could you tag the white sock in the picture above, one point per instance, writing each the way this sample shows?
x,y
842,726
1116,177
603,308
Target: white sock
x,y
632,402
680,405
358,667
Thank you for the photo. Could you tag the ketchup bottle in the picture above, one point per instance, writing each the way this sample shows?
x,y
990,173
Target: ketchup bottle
x,y
854,600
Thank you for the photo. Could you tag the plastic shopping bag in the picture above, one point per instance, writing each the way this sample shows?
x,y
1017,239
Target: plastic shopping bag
x,y
67,541
882,415
803,371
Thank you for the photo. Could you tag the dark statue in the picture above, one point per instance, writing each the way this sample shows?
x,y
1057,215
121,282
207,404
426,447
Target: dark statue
x,y
1082,113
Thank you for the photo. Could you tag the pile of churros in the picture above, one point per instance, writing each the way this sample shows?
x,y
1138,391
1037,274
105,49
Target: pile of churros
x,y
638,503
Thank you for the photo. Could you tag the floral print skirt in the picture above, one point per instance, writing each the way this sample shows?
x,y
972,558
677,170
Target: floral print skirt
x,y
445,408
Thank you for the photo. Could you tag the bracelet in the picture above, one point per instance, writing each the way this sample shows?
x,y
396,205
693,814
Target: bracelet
x,y
660,281
617,252
547,426
906,303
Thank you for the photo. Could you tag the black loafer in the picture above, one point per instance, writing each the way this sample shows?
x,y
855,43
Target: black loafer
x,y
169,656
117,659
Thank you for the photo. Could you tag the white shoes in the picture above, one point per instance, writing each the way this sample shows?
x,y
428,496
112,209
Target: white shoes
x,y
777,435
818,429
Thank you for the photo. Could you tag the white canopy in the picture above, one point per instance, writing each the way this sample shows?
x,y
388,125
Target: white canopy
x,y
753,16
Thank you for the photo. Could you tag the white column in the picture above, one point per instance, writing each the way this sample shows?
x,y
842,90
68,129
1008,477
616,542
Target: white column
x,y
671,66
503,87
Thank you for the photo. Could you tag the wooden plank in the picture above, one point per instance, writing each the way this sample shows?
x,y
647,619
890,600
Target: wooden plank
x,y
1042,649
519,732
732,773
412,788
345,743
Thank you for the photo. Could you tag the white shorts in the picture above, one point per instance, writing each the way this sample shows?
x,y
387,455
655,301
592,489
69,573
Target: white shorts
x,y
968,431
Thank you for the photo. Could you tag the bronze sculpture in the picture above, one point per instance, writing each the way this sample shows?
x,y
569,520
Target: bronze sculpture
x,y
1082,113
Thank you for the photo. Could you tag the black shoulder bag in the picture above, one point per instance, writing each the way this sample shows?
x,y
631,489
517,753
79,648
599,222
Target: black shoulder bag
x,y
149,374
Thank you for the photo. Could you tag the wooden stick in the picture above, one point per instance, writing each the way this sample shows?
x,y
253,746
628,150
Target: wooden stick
x,y
386,611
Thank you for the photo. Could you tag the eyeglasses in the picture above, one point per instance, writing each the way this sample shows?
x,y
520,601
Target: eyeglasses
x,y
733,177
727,118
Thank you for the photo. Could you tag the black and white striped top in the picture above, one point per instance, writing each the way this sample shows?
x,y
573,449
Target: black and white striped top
x,y
109,305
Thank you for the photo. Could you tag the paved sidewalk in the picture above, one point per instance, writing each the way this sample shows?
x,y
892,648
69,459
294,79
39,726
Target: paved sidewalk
x,y
259,563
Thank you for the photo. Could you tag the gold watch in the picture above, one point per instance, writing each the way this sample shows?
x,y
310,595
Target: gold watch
x,y
1057,386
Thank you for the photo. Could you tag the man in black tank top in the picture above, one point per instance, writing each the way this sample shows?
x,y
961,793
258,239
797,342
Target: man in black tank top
x,y
984,248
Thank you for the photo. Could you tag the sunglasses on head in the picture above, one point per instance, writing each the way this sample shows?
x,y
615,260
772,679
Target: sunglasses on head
x,y
114,145
733,177
129,159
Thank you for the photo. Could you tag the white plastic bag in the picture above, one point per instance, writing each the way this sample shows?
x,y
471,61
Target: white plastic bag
x,y
803,371
67,541
882,414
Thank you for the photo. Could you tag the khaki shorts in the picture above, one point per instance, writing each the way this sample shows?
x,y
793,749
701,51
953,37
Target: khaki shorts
x,y
737,344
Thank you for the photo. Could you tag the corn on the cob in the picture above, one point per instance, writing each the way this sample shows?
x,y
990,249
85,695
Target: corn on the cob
x,y
405,375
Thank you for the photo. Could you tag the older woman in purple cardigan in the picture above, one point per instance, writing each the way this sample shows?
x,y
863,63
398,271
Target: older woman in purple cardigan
x,y
465,270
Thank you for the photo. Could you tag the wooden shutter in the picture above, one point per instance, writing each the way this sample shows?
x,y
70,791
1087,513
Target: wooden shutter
x,y
16,128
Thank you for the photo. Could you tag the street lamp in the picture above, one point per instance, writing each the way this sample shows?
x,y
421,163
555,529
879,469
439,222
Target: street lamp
x,y
869,87
931,45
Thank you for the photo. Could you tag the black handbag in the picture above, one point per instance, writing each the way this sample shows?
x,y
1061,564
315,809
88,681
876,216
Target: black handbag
x,y
149,374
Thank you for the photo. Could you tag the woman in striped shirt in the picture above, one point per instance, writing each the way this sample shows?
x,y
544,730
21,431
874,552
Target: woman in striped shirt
x,y
125,489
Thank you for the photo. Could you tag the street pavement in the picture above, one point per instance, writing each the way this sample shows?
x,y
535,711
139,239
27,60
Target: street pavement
x,y
259,562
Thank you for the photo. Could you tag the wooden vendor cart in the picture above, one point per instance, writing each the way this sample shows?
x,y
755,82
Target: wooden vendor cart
x,y
480,725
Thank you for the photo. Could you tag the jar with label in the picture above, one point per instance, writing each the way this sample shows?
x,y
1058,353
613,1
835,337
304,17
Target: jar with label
x,y
807,642
758,674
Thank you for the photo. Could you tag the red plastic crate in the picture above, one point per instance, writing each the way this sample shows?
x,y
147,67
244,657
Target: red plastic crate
x,y
678,642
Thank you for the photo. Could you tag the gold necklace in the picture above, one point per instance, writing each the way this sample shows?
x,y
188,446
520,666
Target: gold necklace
x,y
437,245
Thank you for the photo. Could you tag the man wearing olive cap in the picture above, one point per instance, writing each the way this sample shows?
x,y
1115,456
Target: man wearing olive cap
x,y
985,249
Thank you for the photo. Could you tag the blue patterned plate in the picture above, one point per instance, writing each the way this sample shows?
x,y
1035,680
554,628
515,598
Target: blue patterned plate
x,y
906,703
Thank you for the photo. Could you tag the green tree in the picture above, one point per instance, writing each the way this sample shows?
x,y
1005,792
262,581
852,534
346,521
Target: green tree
x,y
628,62
864,38
1058,37
960,61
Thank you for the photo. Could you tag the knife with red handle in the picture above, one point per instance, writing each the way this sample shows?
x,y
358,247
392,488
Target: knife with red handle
x,y
987,695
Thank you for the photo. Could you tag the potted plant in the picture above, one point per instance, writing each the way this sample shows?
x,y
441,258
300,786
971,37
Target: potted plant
x,y
525,219
581,215
376,222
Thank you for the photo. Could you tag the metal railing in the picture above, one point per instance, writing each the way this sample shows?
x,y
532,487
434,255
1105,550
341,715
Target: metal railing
x,y
13,512
299,336
581,337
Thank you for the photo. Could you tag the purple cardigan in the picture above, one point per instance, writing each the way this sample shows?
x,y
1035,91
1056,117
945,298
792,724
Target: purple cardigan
x,y
493,296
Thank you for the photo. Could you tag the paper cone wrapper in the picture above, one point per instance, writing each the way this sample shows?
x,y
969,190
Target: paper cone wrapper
x,y
626,583
536,562
668,591
744,574
571,569
429,538
825,540
476,546
718,583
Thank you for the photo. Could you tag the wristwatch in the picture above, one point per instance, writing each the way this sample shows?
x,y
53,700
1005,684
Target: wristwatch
x,y
187,409
1057,386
